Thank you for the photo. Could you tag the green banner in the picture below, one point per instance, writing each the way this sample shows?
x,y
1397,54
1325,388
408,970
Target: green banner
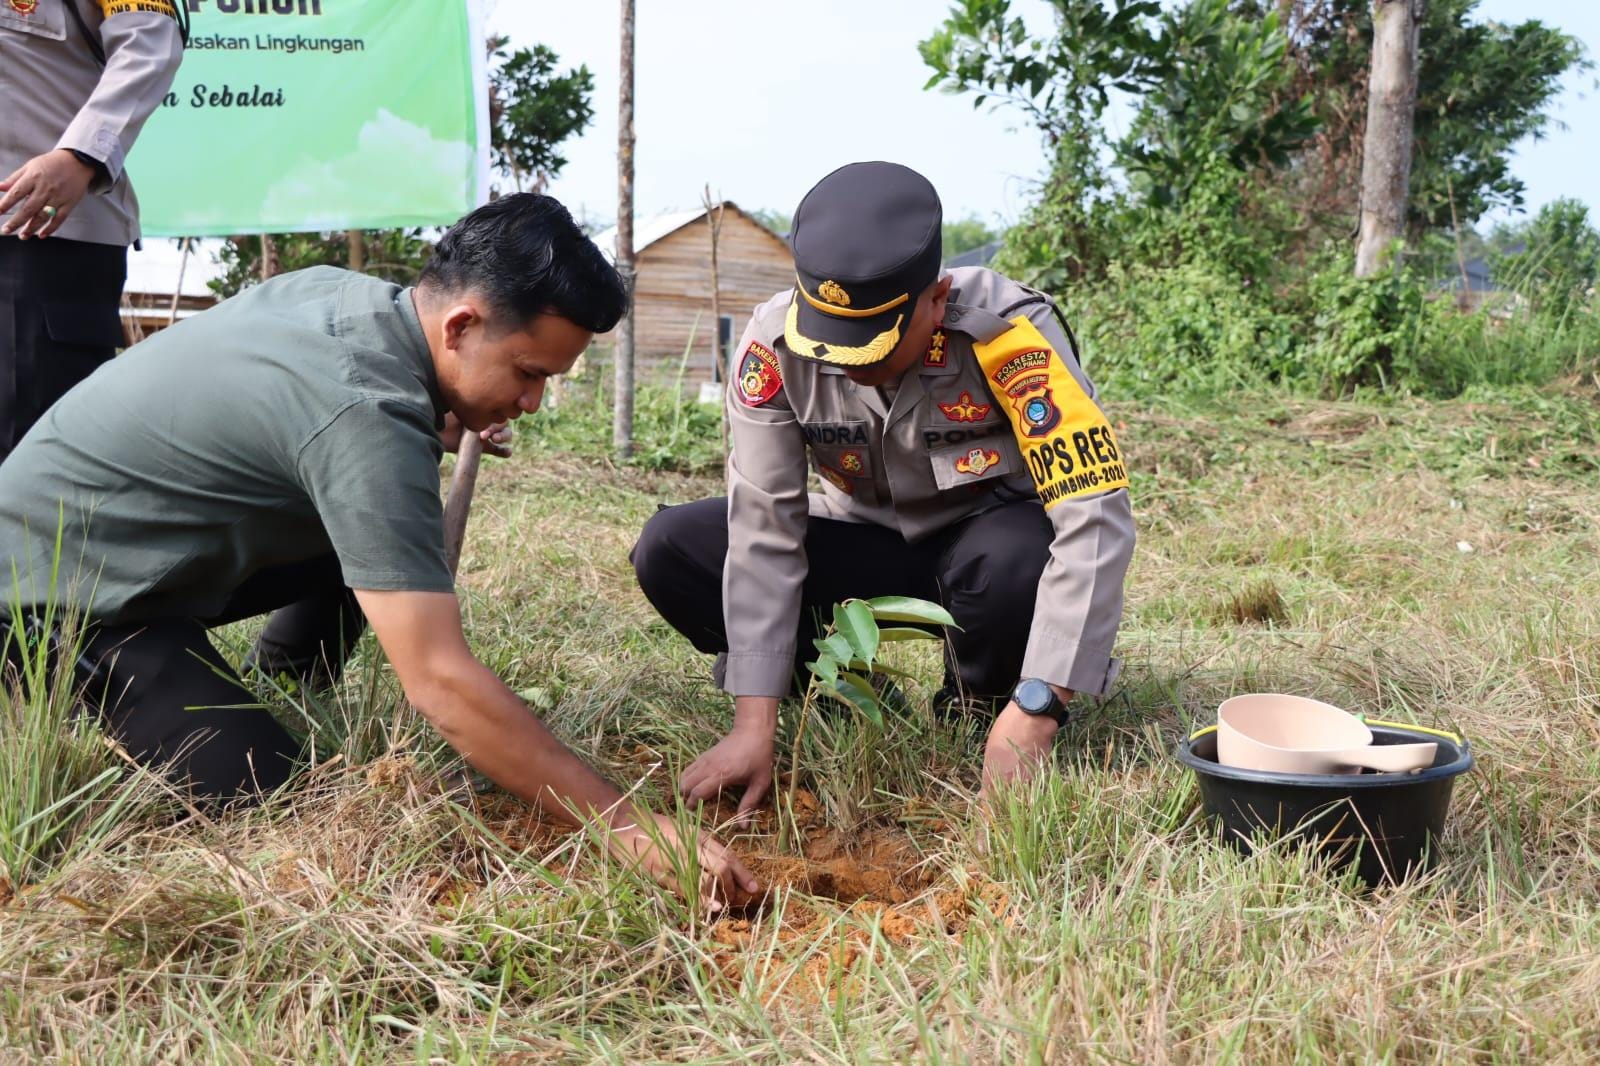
x,y
293,115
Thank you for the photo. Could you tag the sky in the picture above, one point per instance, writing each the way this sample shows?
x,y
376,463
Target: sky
x,y
760,99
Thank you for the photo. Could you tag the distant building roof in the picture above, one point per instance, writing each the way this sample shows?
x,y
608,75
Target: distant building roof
x,y
979,256
647,231
1479,277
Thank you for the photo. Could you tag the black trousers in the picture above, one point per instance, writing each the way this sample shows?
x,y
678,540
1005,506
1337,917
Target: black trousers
x,y
60,318
985,571
165,693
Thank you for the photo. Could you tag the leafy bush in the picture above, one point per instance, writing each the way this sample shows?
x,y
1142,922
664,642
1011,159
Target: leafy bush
x,y
1362,331
1198,328
1187,328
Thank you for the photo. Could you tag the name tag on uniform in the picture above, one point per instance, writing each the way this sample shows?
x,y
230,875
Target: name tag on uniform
x,y
835,434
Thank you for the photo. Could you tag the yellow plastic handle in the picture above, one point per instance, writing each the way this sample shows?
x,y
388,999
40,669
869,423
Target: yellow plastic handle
x,y
1452,737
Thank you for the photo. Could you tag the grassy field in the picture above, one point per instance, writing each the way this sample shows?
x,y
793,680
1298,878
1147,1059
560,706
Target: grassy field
x,y
1434,563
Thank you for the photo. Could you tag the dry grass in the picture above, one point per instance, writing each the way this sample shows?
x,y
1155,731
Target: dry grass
x,y
371,915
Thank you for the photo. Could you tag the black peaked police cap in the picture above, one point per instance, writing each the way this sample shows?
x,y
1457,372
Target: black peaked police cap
x,y
866,243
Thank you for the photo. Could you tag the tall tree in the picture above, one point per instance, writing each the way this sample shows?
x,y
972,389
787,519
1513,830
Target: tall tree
x,y
622,412
1248,119
1482,86
1391,104
533,109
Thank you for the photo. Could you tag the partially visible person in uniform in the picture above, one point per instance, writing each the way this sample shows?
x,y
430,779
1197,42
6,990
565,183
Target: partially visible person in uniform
x,y
78,79
962,458
280,452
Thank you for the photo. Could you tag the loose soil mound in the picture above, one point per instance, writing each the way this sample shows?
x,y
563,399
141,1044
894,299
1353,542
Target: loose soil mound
x,y
827,894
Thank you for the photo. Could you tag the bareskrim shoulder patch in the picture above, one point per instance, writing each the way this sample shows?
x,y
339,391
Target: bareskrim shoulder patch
x,y
1063,434
759,378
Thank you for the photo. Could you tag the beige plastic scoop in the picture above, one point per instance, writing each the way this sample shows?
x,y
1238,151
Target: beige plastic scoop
x,y
1296,735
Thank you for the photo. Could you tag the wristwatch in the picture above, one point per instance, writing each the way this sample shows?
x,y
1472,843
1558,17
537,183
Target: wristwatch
x,y
1038,698
91,162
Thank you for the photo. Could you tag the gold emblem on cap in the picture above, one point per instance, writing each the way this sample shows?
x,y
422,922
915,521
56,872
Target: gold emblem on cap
x,y
880,347
834,293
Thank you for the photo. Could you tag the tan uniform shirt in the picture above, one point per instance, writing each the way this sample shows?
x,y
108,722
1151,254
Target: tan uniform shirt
x,y
55,94
998,411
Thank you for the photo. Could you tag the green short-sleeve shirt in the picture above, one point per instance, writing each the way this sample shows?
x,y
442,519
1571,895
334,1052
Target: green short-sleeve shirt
x,y
298,417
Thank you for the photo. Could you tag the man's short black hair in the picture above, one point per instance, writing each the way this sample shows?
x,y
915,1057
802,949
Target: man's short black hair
x,y
525,255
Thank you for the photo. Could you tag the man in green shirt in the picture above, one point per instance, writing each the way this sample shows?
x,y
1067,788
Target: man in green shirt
x,y
280,452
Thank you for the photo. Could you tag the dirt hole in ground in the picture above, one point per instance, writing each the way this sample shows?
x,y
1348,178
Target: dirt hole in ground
x,y
843,894
833,898
879,864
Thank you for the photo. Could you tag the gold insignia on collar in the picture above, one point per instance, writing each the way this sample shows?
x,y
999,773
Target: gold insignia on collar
x,y
834,293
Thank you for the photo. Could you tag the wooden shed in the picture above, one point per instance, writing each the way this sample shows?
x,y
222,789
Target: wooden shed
x,y
166,286
673,259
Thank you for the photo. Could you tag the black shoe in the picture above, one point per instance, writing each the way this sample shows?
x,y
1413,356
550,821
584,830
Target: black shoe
x,y
952,706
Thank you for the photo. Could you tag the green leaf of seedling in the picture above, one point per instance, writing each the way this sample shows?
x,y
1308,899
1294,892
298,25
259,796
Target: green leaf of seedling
x,y
894,633
825,669
853,619
857,666
855,691
909,609
835,647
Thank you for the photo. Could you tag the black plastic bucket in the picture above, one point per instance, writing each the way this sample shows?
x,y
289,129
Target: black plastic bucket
x,y
1388,824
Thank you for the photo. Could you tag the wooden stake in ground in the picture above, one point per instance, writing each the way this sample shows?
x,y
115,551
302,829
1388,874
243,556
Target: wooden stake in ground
x,y
622,411
1386,144
718,356
459,502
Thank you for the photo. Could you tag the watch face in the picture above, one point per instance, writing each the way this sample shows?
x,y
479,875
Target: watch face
x,y
1033,696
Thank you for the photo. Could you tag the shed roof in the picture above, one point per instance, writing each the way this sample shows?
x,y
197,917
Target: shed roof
x,y
647,231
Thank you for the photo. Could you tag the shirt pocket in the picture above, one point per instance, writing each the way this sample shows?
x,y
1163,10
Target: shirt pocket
x,y
978,464
841,456
48,19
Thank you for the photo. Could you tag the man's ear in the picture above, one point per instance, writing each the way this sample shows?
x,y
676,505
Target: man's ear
x,y
456,321
941,295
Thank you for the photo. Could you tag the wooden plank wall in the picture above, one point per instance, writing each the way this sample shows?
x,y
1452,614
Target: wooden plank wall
x,y
674,285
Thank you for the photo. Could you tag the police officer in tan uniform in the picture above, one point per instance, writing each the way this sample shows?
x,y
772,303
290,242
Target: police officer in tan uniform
x,y
78,79
960,456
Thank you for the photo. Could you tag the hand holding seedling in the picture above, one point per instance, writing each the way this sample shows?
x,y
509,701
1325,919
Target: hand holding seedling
x,y
496,438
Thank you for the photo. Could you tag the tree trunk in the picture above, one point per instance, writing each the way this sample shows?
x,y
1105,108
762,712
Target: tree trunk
x,y
357,239
1386,144
622,413
269,257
